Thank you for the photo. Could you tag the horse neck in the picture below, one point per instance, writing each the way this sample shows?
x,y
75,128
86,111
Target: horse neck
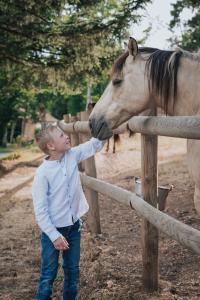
x,y
187,101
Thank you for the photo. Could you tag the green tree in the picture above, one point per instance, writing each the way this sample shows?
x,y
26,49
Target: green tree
x,y
190,38
79,36
16,96
58,45
53,101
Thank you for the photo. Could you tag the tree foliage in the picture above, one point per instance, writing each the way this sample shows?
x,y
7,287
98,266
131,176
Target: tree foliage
x,y
190,38
79,36
49,49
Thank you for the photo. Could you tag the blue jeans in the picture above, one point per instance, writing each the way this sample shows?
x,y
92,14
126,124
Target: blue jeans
x,y
49,264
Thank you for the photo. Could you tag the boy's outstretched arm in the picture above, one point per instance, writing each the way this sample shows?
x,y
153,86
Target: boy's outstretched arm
x,y
87,149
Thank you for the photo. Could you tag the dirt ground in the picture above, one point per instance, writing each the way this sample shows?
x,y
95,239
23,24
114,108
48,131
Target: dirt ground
x,y
111,266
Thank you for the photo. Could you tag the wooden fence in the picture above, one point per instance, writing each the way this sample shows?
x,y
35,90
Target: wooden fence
x,y
153,219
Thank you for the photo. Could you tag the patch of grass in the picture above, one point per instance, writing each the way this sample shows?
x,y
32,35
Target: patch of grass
x,y
12,156
5,149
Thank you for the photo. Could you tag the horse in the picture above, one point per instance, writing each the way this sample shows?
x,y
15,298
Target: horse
x,y
143,78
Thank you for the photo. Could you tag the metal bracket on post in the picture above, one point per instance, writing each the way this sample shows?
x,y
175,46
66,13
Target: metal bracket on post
x,y
163,192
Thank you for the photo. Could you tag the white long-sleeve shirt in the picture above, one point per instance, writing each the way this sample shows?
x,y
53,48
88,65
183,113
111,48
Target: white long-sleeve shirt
x,y
58,197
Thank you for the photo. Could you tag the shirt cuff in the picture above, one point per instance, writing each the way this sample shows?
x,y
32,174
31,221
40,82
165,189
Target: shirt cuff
x,y
97,141
54,235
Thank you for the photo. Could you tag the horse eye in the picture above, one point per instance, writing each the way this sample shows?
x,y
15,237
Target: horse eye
x,y
117,81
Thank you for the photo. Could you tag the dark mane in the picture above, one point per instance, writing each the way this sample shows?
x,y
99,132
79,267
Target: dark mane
x,y
161,69
120,61
148,50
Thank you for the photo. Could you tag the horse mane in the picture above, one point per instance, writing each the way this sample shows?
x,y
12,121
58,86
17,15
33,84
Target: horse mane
x,y
120,61
161,69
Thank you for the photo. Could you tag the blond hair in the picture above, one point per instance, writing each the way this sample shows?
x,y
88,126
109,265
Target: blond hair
x,y
44,136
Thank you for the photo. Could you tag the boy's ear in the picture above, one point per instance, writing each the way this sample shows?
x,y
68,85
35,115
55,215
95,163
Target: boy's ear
x,y
50,146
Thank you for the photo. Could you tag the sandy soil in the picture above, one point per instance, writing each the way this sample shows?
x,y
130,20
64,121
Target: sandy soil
x,y
111,264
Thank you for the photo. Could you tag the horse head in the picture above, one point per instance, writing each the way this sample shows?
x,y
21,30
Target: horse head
x,y
125,96
141,78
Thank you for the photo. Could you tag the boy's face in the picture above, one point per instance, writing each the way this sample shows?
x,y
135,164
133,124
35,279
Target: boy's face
x,y
60,141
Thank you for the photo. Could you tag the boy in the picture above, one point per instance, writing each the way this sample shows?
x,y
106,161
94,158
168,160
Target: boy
x,y
59,202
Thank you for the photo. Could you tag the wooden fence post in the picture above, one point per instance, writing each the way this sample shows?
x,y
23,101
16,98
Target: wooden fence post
x,y
149,146
81,165
66,118
93,219
74,136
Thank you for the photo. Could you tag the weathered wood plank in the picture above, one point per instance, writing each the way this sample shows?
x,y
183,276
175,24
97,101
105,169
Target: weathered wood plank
x,y
150,235
182,127
93,219
74,136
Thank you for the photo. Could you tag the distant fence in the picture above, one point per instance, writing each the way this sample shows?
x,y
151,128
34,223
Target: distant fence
x,y
154,220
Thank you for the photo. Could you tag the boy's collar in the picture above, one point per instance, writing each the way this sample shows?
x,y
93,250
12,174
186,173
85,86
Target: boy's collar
x,y
59,158
47,159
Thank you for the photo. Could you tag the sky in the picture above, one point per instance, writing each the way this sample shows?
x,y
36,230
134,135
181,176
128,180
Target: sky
x,y
158,14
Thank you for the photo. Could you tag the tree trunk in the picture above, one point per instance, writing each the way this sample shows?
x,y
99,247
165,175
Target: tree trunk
x,y
23,126
89,92
13,126
5,138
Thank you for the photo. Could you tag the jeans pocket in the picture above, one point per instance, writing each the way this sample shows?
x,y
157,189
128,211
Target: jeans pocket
x,y
77,225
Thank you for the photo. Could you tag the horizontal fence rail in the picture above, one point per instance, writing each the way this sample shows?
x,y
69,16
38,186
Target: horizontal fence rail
x,y
76,127
184,234
83,127
180,127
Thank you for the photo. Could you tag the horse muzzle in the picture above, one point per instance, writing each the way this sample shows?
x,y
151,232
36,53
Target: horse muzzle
x,y
100,128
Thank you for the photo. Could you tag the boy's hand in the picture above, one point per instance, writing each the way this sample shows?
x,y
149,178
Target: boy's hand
x,y
61,243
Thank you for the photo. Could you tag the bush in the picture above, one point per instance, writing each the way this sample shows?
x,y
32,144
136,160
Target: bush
x,y
23,141
37,131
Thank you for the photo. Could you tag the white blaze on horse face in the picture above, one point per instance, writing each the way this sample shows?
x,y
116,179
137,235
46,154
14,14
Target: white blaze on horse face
x,y
123,100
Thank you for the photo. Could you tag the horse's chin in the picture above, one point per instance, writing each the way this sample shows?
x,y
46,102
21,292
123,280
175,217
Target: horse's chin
x,y
104,135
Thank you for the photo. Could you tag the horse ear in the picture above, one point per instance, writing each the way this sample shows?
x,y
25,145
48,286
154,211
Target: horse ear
x,y
132,47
